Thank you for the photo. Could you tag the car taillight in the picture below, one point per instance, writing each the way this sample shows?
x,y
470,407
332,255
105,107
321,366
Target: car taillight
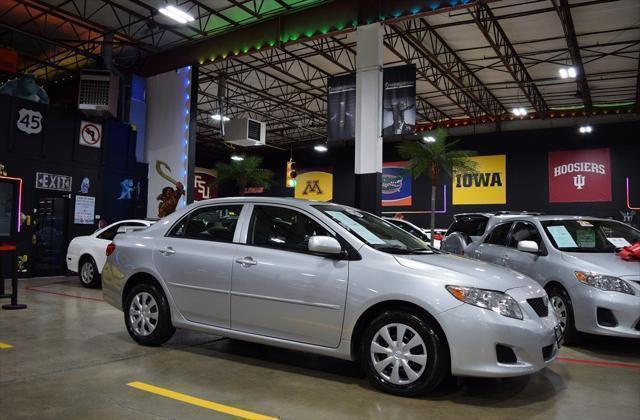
x,y
437,237
110,248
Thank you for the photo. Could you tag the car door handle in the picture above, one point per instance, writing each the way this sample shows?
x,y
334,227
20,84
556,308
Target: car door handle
x,y
246,261
167,251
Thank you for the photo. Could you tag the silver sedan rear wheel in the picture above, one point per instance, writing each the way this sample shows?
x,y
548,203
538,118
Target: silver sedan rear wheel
x,y
143,314
398,354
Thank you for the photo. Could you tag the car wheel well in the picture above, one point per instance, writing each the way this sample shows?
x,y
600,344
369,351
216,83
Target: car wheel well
x,y
371,313
83,258
554,285
136,279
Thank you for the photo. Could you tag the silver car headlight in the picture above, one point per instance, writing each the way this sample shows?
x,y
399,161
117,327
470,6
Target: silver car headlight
x,y
497,302
604,282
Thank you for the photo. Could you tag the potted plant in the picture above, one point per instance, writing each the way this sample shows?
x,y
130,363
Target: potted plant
x,y
244,172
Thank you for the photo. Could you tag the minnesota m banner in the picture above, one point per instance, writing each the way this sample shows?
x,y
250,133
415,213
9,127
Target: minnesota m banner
x,y
487,186
315,184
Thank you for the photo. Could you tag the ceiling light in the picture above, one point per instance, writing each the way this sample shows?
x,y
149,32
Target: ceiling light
x,y
519,112
237,158
572,72
563,73
568,72
585,129
216,117
429,139
176,14
320,148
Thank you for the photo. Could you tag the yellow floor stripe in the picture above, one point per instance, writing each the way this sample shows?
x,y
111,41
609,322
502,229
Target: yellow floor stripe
x,y
200,402
5,346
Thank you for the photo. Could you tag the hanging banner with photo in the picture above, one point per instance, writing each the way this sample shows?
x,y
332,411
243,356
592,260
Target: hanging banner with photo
x,y
341,108
578,176
399,100
315,184
396,184
487,186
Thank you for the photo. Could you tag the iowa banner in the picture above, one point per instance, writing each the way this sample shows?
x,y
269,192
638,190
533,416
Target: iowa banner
x,y
399,100
487,186
341,107
580,176
396,184
315,184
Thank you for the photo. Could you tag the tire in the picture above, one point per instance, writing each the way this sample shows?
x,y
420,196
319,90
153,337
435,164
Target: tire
x,y
148,303
561,303
407,372
88,272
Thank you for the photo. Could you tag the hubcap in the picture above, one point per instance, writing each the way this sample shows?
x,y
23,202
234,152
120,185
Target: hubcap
x,y
143,314
398,354
86,274
561,311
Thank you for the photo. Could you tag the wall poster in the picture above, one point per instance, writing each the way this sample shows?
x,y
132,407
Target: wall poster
x,y
396,184
84,210
580,176
314,184
487,186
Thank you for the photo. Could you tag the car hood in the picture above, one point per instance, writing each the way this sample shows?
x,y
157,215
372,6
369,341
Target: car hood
x,y
466,272
604,263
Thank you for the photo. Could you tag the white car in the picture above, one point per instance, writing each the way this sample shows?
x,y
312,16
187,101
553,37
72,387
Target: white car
x,y
417,231
86,255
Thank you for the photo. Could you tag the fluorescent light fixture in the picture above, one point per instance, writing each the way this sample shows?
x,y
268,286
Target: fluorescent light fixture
x,y
320,148
216,117
585,129
429,139
572,72
237,158
176,14
563,73
519,112
569,72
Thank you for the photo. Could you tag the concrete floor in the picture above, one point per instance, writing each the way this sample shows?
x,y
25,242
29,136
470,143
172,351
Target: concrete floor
x,y
72,358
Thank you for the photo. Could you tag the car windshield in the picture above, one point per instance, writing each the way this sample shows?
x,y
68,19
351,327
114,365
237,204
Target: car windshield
x,y
590,235
374,231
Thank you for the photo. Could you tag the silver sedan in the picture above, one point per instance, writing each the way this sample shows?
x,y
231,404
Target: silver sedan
x,y
331,280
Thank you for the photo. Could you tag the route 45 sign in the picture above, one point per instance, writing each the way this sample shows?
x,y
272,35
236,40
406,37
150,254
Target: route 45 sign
x,y
29,121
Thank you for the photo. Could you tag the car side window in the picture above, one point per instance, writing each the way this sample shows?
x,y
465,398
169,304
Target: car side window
x,y
498,235
523,231
280,227
212,223
110,233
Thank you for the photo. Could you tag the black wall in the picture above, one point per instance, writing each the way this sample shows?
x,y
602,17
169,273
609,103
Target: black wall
x,y
527,167
56,150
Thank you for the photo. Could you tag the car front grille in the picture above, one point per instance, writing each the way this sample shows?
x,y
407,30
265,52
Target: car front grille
x,y
539,305
547,352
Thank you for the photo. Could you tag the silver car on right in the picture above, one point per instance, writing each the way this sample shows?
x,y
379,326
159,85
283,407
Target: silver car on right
x,y
591,288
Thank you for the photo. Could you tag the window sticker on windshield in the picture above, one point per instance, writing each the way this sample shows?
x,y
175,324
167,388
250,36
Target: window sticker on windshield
x,y
586,238
618,242
356,227
584,223
562,237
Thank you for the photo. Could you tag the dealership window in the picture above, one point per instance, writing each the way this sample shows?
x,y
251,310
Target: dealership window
x,y
110,233
498,235
524,231
209,223
281,227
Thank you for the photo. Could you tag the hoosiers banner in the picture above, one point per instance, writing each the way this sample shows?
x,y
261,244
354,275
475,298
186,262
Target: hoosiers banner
x,y
487,186
580,176
315,184
399,100
341,107
396,184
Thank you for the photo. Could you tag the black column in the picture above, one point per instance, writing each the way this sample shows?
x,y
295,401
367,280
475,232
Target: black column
x,y
368,192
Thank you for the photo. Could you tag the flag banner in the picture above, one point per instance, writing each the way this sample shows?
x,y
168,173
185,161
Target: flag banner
x,y
341,108
399,100
577,176
488,185
315,184
396,184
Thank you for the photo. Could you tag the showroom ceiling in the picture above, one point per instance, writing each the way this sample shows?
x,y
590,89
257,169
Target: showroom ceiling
x,y
476,62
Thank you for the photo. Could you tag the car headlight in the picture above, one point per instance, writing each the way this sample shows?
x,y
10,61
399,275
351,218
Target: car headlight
x,y
603,282
488,299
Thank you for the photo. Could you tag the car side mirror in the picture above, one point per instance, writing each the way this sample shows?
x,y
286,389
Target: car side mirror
x,y
528,246
325,245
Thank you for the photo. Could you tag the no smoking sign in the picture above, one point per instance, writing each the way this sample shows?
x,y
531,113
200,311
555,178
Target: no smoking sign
x,y
90,134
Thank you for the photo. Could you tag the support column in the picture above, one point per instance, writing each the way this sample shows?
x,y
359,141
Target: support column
x,y
368,147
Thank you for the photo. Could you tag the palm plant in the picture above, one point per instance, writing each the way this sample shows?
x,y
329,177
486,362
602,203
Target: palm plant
x,y
431,157
246,172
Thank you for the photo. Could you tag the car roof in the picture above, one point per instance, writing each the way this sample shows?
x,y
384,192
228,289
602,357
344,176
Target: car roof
x,y
528,216
269,200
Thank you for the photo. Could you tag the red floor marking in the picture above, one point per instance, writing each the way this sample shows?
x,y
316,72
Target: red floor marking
x,y
36,289
598,363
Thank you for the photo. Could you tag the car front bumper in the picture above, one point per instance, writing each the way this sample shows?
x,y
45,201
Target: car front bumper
x,y
72,263
625,309
473,334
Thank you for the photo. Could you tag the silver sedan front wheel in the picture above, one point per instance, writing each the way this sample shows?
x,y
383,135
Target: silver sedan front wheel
x,y
143,314
560,309
398,354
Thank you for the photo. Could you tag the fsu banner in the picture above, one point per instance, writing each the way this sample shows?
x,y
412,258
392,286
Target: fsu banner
x,y
399,100
202,188
580,176
315,184
396,184
487,186
341,107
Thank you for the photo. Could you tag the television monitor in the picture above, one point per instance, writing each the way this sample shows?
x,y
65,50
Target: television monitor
x,y
10,207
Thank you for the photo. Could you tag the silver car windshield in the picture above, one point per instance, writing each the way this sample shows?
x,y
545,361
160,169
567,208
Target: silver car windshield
x,y
590,235
374,231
